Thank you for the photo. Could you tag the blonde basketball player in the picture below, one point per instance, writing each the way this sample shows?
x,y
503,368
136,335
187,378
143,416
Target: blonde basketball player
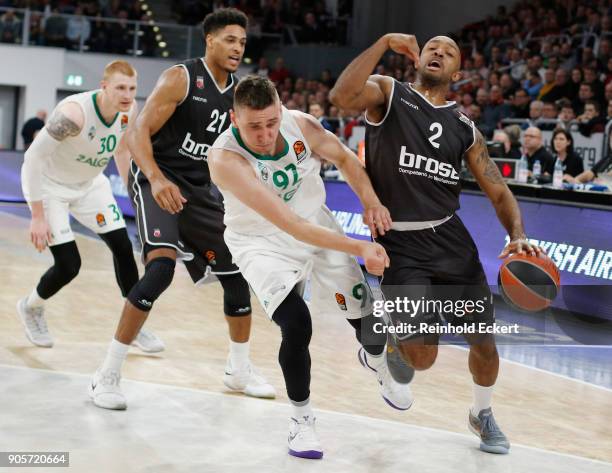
x,y
62,175
280,233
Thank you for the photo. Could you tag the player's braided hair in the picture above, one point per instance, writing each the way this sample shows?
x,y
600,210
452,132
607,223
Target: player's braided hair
x,y
256,92
223,17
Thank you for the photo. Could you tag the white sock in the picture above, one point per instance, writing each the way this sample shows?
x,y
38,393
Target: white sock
x,y
34,300
115,356
375,361
239,354
302,409
482,398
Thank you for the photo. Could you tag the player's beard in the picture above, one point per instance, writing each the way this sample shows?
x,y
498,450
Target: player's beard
x,y
430,80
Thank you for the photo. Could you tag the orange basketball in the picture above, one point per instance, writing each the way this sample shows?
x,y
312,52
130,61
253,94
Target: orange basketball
x,y
529,283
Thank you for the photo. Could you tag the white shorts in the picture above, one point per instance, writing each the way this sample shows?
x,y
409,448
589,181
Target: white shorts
x,y
274,264
91,203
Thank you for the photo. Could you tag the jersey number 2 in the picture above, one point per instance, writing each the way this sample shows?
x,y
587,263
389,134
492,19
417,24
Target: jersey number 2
x,y
437,129
215,117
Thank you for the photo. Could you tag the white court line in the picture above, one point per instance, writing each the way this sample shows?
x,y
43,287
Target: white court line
x,y
286,405
541,370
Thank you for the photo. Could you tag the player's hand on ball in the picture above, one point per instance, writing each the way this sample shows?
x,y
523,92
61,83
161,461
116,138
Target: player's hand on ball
x,y
375,258
167,195
521,246
40,234
378,219
405,44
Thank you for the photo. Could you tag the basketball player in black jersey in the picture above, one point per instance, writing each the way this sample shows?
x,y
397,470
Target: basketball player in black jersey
x,y
179,211
415,141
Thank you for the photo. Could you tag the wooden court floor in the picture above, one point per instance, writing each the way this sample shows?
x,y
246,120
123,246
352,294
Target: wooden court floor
x,y
533,407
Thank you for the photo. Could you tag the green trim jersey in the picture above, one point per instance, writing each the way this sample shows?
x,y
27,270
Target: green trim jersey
x,y
292,174
79,159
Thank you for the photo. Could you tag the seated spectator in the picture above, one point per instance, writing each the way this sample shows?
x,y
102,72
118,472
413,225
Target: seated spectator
x,y
514,133
609,111
535,113
476,117
590,121
508,86
502,137
549,83
120,35
490,114
600,173
78,29
533,84
262,68
10,28
316,110
566,114
584,93
311,32
55,30
561,88
466,102
535,151
563,150
590,77
576,78
520,104
280,72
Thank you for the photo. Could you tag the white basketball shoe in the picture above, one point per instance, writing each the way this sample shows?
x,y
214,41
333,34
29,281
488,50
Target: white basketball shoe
x,y
248,381
105,392
33,320
303,439
148,342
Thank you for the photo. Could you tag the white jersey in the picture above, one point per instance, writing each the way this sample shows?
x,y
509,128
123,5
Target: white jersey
x,y
292,174
79,159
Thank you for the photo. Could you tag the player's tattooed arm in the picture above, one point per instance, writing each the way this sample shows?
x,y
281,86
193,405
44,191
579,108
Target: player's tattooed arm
x,y
65,122
493,185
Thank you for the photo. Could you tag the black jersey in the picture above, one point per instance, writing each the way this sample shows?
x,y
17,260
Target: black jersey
x,y
413,156
181,146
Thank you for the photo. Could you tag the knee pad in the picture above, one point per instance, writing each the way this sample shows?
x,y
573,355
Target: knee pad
x,y
236,295
293,318
155,280
67,261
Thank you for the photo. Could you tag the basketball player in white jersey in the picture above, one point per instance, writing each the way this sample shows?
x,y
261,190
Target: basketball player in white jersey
x,y
62,175
280,233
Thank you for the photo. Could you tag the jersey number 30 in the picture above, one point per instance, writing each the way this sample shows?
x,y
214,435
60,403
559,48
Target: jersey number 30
x,y
437,129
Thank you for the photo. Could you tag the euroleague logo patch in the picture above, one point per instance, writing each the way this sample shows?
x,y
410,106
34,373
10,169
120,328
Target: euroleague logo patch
x,y
100,220
124,122
300,150
341,301
211,257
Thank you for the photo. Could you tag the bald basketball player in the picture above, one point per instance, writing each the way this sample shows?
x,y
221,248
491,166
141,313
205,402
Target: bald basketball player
x,y
415,141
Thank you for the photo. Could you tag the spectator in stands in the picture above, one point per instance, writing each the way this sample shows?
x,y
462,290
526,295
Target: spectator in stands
x,y
549,83
566,114
590,77
535,151
316,110
560,89
514,133
563,150
280,72
609,111
120,35
520,104
98,38
327,79
549,111
311,32
78,29
508,86
500,136
10,28
590,121
476,117
490,115
517,65
576,79
533,84
55,30
608,92
31,128
568,60
466,101
584,93
262,68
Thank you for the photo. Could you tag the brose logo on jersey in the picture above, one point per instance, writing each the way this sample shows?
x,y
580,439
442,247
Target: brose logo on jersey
x,y
427,167
193,150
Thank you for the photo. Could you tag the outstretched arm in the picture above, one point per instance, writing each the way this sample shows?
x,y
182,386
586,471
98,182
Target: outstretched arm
x,y
356,89
493,185
328,146
230,172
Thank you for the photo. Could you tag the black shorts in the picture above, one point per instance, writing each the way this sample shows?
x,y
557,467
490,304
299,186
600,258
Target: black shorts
x,y
440,268
196,233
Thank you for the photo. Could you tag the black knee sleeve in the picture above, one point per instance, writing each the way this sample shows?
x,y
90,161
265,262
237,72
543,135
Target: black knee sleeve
x,y
126,271
293,318
66,265
370,333
236,295
155,280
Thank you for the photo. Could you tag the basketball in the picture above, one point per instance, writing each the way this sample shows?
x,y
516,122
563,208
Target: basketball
x,y
528,283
